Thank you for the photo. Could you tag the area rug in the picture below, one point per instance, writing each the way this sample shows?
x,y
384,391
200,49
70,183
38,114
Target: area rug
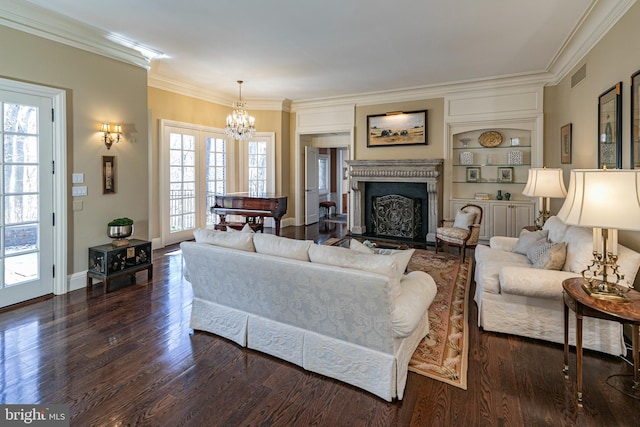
x,y
443,353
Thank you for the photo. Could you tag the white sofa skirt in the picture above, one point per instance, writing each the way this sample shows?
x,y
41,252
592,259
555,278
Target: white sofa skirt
x,y
371,370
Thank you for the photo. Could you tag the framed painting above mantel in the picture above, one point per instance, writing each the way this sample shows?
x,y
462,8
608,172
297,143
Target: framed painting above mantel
x,y
397,128
610,128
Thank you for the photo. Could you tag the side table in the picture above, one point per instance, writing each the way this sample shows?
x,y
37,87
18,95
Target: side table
x,y
584,305
108,262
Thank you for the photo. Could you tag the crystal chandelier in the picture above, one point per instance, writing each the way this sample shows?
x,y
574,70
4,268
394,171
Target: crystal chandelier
x,y
239,123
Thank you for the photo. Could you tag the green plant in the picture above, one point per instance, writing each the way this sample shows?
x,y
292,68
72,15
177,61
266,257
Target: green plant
x,y
121,222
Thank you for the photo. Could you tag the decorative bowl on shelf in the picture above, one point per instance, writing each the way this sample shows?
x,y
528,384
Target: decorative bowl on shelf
x,y
490,139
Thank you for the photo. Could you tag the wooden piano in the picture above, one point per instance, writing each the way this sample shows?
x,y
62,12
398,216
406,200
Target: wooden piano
x,y
253,207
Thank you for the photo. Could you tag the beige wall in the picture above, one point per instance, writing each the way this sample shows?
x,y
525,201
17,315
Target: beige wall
x,y
612,60
435,132
171,106
98,89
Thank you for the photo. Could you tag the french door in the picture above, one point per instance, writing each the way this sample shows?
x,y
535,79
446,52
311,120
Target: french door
x,y
194,170
26,197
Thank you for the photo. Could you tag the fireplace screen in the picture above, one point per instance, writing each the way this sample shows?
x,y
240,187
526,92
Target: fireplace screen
x,y
396,216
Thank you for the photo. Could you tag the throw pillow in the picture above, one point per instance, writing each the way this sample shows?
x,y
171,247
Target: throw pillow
x,y
281,246
464,220
242,241
526,240
536,250
553,258
246,229
402,257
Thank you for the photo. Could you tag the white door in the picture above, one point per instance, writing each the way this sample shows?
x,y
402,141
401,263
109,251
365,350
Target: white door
x,y
26,190
194,169
311,207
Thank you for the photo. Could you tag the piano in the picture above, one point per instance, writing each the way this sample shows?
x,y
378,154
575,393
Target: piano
x,y
253,207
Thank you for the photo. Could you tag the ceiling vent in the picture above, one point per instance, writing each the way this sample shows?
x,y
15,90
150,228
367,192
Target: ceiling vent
x,y
579,76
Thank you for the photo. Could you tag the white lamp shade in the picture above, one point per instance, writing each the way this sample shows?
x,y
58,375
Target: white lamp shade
x,y
603,199
543,182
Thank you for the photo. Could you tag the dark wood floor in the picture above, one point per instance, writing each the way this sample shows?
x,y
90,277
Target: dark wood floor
x,y
129,358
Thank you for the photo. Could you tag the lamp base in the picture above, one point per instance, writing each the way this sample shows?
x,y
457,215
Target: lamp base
x,y
607,292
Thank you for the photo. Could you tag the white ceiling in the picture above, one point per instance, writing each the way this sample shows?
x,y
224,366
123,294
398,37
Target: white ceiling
x,y
301,50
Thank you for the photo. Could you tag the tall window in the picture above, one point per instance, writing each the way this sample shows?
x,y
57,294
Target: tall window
x,y
323,174
194,169
216,173
257,167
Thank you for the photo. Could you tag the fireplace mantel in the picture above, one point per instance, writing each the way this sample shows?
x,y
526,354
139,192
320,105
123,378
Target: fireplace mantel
x,y
428,171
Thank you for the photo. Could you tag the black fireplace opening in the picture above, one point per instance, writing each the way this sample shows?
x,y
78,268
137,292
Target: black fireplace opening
x,y
413,193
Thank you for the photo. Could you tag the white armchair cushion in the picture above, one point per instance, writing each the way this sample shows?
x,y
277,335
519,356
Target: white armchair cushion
x,y
464,220
402,257
533,283
282,246
242,241
503,243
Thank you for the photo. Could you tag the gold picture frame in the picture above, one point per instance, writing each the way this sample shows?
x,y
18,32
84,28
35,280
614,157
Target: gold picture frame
x,y
397,128
610,128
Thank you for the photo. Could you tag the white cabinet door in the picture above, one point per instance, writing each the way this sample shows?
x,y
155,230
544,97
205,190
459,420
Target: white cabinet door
x,y
509,218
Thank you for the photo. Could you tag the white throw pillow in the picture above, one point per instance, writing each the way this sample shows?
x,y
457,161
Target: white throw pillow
x,y
246,229
553,258
281,246
402,257
346,258
242,241
527,239
464,220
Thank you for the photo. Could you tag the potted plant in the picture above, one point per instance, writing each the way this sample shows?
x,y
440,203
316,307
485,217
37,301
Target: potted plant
x,y
120,228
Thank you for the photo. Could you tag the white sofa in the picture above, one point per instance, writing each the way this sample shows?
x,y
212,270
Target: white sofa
x,y
358,324
515,298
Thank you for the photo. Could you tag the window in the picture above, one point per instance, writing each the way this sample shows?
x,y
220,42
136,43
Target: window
x,y
257,157
324,178
216,167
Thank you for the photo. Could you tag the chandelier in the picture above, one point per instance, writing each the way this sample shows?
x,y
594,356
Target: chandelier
x,y
239,123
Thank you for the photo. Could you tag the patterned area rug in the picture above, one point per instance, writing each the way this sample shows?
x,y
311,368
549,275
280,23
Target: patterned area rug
x,y
443,353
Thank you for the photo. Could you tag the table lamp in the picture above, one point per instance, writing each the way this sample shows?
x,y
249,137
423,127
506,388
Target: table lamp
x,y
545,184
607,201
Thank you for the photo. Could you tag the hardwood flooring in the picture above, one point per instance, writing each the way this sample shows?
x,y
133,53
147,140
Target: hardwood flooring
x,y
130,358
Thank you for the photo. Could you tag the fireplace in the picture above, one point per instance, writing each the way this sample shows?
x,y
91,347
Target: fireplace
x,y
418,180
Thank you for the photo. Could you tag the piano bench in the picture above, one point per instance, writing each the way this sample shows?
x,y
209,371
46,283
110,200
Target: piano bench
x,y
328,205
240,225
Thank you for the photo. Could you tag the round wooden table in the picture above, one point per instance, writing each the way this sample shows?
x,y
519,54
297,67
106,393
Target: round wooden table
x,y
583,305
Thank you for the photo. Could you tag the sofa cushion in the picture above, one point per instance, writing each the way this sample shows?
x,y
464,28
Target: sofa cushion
x,y
545,284
527,239
464,220
281,246
242,241
418,291
556,229
579,242
553,258
402,257
346,258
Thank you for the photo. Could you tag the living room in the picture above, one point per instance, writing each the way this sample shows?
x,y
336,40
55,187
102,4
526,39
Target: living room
x,y
100,88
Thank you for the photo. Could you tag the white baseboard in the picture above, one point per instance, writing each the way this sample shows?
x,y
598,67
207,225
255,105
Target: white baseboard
x,y
77,281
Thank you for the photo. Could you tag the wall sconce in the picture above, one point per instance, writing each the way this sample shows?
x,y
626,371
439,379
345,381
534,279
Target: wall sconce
x,y
111,136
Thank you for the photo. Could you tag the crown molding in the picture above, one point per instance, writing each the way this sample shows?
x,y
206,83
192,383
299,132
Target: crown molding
x,y
194,91
601,16
32,19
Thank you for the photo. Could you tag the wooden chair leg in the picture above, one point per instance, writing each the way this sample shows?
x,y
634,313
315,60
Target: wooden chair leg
x,y
436,245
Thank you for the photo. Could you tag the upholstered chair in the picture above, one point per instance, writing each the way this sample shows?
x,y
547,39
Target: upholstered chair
x,y
463,231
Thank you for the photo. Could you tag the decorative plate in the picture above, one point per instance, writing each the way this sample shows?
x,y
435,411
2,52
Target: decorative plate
x,y
490,139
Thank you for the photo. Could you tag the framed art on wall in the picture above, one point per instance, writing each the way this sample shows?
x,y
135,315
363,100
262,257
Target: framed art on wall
x,y
565,144
108,174
473,174
610,128
398,128
635,120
